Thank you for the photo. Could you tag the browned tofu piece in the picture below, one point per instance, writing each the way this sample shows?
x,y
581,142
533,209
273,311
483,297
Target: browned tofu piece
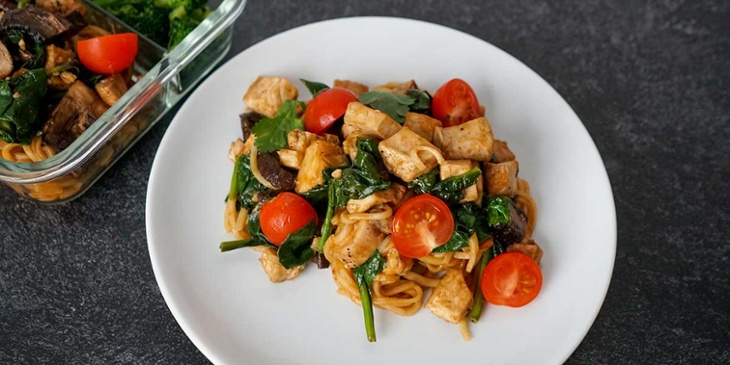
x,y
64,7
472,140
422,124
273,268
111,88
501,178
266,95
396,87
290,158
354,247
396,153
391,195
6,61
299,140
318,156
451,297
356,87
372,122
56,56
530,248
457,167
501,152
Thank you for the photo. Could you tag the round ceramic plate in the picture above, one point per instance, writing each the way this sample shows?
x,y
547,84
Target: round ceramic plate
x,y
228,307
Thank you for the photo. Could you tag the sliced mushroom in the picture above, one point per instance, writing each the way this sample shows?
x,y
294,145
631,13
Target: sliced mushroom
x,y
6,61
248,120
76,111
272,171
37,22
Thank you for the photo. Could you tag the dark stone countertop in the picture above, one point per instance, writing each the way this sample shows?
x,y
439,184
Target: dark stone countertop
x,y
651,82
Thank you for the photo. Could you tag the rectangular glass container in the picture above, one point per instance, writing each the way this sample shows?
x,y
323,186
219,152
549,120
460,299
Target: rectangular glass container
x,y
168,76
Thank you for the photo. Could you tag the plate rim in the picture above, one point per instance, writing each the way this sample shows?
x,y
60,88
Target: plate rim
x,y
154,172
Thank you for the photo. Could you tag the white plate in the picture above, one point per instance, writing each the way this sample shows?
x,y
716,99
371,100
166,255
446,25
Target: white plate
x,y
234,315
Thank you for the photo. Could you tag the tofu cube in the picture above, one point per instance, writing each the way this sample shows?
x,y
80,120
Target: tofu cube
x,y
273,268
356,87
501,178
355,246
457,167
396,87
422,124
391,195
530,249
372,122
318,156
291,158
472,140
266,95
451,297
398,159
502,153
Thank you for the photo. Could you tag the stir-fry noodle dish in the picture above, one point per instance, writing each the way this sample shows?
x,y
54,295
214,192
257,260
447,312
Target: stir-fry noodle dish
x,y
404,195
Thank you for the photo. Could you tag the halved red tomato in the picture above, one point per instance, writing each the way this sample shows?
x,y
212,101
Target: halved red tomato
x,y
326,108
284,215
108,54
420,225
454,103
511,279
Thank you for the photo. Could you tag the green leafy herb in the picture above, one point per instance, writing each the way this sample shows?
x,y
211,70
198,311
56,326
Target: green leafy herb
x,y
21,100
296,250
244,186
425,183
450,189
422,101
395,105
364,177
469,218
314,87
364,276
257,237
271,133
498,210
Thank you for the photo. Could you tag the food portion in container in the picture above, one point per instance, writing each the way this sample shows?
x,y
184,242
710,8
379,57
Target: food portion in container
x,y
59,75
408,197
166,22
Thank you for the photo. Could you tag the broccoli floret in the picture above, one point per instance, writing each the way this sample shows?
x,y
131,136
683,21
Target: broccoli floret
x,y
183,22
166,22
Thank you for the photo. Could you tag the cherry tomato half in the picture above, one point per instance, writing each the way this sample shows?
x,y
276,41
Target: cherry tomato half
x,y
420,225
108,54
511,279
284,215
455,103
326,108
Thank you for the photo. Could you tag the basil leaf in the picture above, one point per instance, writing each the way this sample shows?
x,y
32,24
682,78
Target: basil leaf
x,y
271,133
314,87
296,250
395,105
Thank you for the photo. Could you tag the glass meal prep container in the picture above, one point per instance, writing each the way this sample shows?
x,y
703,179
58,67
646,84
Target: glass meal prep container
x,y
167,77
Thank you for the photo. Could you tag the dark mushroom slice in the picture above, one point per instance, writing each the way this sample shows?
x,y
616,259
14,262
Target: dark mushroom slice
x,y
7,5
513,231
6,61
42,24
248,120
272,171
77,110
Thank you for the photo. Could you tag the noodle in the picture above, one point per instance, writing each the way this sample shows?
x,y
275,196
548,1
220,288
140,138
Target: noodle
x,y
430,149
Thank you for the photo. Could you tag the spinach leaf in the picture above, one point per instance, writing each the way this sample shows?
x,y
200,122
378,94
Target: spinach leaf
x,y
498,210
364,275
244,185
233,245
271,133
21,101
296,250
450,189
469,218
314,87
422,101
395,105
424,183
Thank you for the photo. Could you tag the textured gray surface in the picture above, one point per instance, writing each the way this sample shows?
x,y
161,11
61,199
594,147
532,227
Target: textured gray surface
x,y
650,80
